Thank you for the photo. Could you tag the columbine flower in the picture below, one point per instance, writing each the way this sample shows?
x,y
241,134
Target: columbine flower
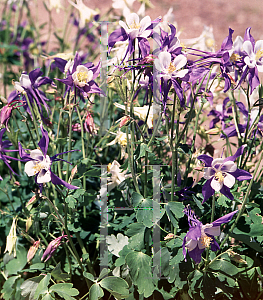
x,y
168,69
52,247
141,113
221,174
38,163
124,5
202,236
117,175
81,76
29,84
134,29
121,139
11,239
86,14
55,4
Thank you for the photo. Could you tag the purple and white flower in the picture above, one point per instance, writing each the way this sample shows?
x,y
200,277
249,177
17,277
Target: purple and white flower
x,y
199,237
221,174
38,163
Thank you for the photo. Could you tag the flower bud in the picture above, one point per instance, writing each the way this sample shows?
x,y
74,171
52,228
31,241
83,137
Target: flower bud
x,y
5,115
89,124
124,121
32,200
29,223
32,250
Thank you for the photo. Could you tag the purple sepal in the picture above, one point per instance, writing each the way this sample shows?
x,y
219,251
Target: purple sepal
x,y
43,143
196,254
207,190
226,192
60,63
239,152
119,35
206,159
56,180
227,43
241,175
224,219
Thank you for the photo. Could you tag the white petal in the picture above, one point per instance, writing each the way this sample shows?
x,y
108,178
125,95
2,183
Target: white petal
x,y
180,61
249,62
216,185
248,48
229,166
209,172
145,22
191,245
214,231
133,18
25,81
29,168
229,180
217,161
123,25
181,73
165,59
45,178
36,154
258,45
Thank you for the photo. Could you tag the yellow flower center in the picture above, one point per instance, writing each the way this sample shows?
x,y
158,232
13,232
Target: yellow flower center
x,y
134,25
108,167
38,167
219,176
259,54
210,43
171,68
206,241
235,57
82,76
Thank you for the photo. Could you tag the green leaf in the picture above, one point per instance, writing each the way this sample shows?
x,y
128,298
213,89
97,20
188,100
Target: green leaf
x,y
58,274
89,276
8,287
71,201
48,297
224,266
42,287
136,231
136,199
140,266
177,208
104,272
178,257
117,286
95,292
17,264
29,286
64,290
224,201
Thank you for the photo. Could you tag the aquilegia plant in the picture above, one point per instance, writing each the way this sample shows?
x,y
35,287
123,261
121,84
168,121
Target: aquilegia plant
x,y
130,159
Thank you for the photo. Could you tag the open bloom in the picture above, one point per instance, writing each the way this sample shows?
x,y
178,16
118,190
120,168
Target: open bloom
x,y
29,84
80,76
168,69
121,139
117,175
86,14
221,174
38,163
202,236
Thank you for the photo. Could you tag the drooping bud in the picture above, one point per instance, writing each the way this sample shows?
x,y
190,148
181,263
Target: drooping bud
x,y
73,172
89,124
5,115
52,247
11,239
32,250
124,120
32,200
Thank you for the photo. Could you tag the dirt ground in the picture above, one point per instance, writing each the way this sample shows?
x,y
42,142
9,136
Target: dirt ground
x,y
192,15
